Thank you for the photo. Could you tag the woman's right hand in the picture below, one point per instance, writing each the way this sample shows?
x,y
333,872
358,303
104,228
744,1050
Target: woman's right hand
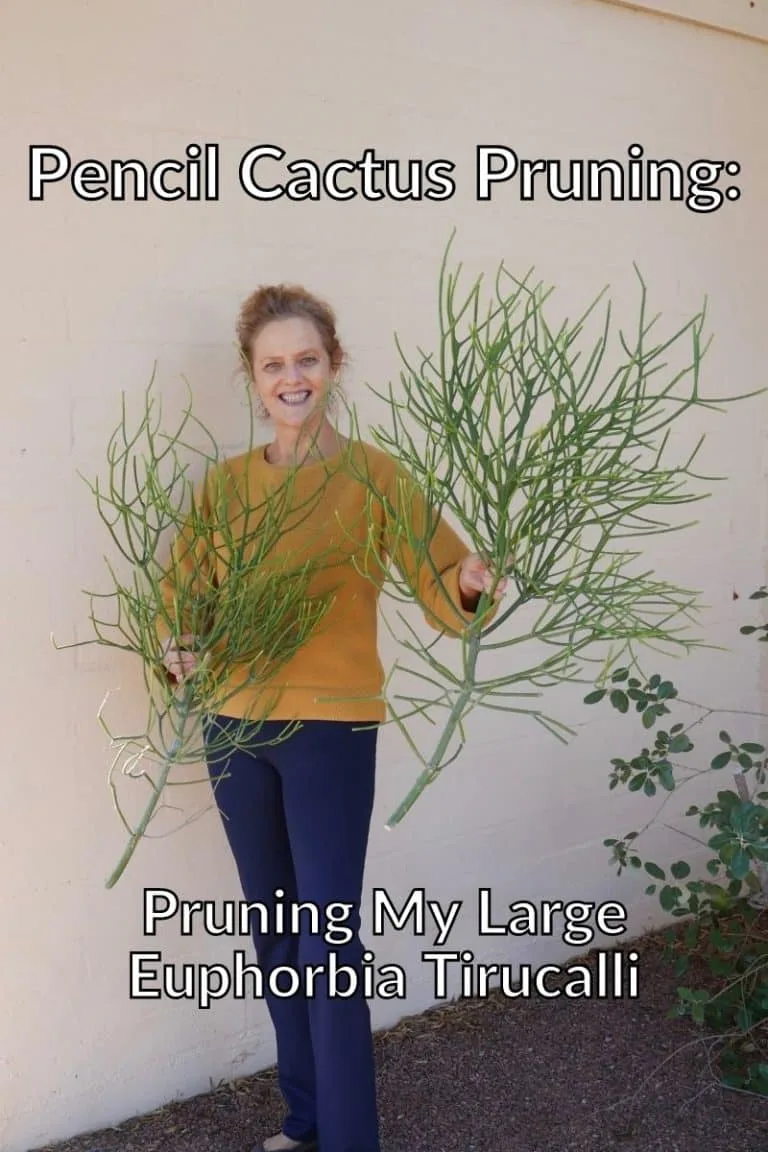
x,y
178,660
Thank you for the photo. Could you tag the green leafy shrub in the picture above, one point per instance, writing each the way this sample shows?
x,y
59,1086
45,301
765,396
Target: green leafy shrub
x,y
724,942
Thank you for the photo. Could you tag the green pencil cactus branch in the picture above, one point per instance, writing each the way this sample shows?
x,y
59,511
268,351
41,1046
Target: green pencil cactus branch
x,y
243,626
553,460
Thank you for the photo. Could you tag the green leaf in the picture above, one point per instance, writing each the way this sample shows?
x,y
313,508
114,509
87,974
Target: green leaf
x,y
654,870
679,744
755,749
666,777
637,782
680,870
596,696
725,738
666,690
668,897
740,865
649,787
649,718
620,674
722,760
744,761
619,700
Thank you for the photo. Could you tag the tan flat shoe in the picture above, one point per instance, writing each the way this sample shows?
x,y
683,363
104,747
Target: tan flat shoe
x,y
305,1146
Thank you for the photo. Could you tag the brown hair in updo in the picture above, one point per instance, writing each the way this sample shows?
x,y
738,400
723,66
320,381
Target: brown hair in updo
x,y
282,302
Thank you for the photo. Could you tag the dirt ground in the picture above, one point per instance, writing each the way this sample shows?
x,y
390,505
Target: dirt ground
x,y
503,1075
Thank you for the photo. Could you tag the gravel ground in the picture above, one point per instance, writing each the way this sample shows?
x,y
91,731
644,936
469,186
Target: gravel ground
x,y
501,1075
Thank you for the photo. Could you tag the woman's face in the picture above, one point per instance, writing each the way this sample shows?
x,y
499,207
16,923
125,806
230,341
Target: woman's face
x,y
291,370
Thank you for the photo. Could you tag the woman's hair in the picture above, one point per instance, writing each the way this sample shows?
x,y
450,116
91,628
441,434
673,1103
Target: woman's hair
x,y
281,302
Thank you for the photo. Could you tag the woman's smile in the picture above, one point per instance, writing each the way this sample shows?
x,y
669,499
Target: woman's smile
x,y
295,398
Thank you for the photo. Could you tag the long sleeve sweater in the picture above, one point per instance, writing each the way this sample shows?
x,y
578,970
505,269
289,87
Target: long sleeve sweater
x,y
351,528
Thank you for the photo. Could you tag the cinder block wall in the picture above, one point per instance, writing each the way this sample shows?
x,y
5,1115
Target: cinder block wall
x,y
96,291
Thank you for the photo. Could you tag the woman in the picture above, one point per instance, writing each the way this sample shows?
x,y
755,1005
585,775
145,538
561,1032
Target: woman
x,y
297,814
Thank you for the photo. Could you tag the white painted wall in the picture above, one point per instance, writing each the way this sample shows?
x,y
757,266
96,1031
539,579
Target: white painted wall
x,y
95,292
747,18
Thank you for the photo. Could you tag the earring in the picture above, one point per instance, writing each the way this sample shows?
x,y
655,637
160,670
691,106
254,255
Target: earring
x,y
260,408
334,394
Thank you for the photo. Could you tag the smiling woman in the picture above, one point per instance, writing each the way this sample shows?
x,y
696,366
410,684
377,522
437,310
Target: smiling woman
x,y
289,345
296,811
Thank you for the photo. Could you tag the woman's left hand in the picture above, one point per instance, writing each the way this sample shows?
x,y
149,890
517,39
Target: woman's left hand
x,y
475,577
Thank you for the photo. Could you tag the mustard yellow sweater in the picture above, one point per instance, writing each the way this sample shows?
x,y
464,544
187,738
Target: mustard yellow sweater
x,y
336,518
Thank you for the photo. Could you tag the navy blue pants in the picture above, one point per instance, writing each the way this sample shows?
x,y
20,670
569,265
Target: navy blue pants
x,y
297,817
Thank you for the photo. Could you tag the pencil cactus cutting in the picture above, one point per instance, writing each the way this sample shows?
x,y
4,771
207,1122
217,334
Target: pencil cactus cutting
x,y
548,459
254,620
